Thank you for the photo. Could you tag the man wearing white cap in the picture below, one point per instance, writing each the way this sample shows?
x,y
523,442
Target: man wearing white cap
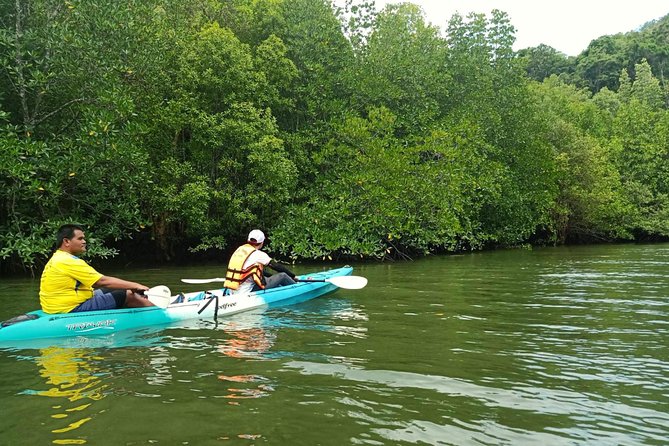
x,y
246,267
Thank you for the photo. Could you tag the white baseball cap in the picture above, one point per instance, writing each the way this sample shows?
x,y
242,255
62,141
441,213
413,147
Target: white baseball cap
x,y
257,236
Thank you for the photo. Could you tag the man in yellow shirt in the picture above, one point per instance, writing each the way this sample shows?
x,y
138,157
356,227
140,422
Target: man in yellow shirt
x,y
68,282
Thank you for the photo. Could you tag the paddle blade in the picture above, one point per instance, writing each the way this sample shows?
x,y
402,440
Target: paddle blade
x,y
217,279
160,296
348,282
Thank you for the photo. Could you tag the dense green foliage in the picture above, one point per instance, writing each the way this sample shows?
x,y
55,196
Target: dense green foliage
x,y
342,131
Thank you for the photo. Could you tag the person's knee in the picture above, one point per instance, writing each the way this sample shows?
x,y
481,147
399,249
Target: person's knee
x,y
285,279
133,299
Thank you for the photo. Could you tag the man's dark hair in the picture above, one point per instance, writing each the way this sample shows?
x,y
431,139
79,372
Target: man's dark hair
x,y
66,232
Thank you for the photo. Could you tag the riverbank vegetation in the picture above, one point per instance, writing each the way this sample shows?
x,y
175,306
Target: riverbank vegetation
x,y
173,127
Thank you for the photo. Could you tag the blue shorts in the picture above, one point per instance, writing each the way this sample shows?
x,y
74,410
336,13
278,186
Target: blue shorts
x,y
102,300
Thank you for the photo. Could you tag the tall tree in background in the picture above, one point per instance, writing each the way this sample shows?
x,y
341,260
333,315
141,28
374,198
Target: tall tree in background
x,y
70,157
591,203
402,68
491,93
544,61
641,143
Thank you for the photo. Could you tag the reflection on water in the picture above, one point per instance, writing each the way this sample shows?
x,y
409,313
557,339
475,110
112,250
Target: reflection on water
x,y
256,387
75,384
246,343
159,371
246,340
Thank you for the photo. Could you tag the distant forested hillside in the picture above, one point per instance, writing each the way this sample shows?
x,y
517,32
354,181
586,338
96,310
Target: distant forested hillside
x,y
600,64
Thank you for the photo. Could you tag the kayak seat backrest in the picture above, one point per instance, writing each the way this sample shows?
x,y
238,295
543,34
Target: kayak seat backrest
x,y
17,319
180,298
199,296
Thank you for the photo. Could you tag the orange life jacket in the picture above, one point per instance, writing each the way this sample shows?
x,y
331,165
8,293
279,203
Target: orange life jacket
x,y
236,274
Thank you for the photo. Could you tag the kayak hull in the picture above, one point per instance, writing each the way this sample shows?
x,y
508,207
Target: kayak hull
x,y
196,305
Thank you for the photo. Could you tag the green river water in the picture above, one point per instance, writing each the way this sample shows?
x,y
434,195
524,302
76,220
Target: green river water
x,y
552,346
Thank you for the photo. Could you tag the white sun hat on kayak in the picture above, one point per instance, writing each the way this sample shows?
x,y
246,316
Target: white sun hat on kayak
x,y
256,236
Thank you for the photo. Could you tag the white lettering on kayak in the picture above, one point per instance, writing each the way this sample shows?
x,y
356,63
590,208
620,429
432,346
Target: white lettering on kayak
x,y
86,326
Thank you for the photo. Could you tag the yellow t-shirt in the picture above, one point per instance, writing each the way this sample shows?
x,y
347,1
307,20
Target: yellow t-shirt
x,y
66,282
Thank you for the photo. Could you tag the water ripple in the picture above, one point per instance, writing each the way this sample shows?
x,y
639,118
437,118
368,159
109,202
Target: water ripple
x,y
596,419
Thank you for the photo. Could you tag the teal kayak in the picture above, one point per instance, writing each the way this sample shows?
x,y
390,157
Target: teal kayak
x,y
195,305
